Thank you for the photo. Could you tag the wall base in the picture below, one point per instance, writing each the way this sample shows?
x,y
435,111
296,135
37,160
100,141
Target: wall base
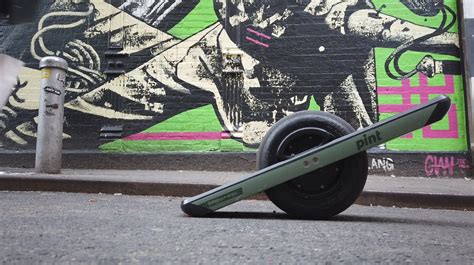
x,y
413,164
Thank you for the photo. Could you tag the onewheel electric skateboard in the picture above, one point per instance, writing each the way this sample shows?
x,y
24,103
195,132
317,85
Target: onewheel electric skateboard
x,y
313,164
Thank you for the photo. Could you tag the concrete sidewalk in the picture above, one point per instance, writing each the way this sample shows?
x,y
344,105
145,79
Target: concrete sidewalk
x,y
413,192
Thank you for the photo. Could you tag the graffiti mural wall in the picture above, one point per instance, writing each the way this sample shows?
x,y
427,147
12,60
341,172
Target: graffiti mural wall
x,y
214,75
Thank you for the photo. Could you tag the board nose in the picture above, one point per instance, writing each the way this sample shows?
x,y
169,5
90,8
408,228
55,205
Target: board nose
x,y
442,107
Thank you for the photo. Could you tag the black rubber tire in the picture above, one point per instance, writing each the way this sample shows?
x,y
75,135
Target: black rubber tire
x,y
345,179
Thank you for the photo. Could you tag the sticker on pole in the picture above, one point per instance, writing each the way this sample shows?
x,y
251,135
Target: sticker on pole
x,y
52,90
45,73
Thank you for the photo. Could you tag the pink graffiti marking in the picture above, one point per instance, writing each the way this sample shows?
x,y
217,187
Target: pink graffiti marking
x,y
434,164
257,42
444,165
260,34
423,90
463,164
178,136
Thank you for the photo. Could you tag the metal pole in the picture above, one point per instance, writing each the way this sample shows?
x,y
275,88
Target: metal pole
x,y
50,118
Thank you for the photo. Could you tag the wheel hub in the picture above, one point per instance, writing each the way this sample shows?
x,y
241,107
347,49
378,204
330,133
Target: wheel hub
x,y
316,183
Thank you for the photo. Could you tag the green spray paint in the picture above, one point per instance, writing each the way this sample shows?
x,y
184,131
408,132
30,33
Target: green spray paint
x,y
398,10
201,17
408,61
313,105
201,119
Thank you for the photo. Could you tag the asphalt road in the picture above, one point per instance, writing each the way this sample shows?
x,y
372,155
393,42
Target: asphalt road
x,y
106,229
